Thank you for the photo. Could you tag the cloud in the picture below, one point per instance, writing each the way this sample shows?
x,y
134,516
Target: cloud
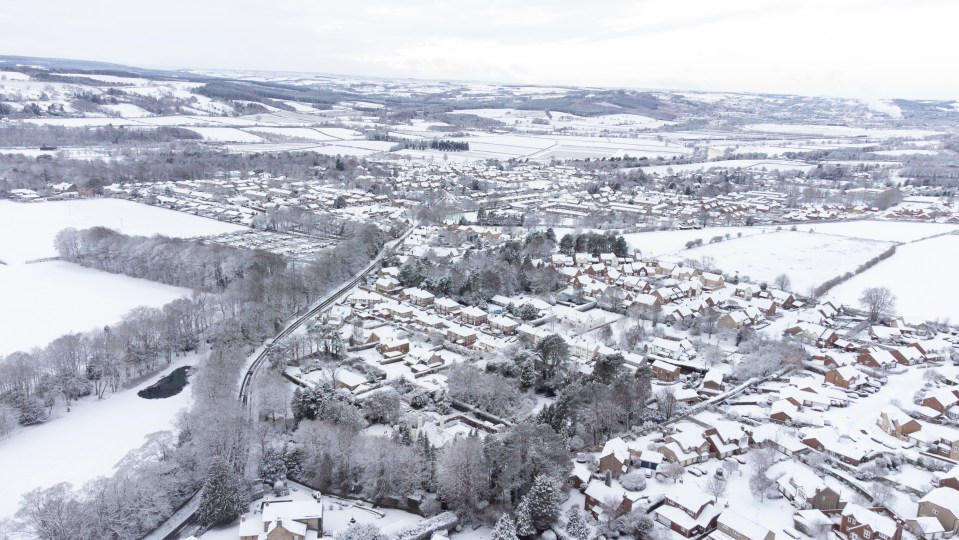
x,y
829,47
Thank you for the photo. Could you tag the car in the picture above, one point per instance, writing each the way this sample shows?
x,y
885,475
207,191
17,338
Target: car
x,y
649,473
695,472
581,457
863,394
700,469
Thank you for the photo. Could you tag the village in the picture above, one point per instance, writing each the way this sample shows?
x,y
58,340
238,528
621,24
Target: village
x,y
830,441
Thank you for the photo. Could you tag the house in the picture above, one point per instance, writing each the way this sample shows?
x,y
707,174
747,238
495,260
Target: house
x,y
942,400
897,423
926,528
826,440
473,315
614,458
386,284
845,377
284,520
419,297
666,372
806,489
735,526
446,306
858,522
950,479
942,503
504,325
598,495
734,320
401,346
687,510
675,349
686,446
712,382
877,358
813,523
712,282
461,336
726,438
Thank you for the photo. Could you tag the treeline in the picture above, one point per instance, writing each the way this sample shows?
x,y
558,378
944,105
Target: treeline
x,y
442,145
480,275
174,162
594,244
830,283
213,444
92,363
27,135
492,218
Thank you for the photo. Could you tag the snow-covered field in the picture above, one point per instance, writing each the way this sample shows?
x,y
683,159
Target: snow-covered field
x,y
918,274
45,300
840,131
226,134
87,443
808,259
755,164
659,243
892,231
29,229
41,302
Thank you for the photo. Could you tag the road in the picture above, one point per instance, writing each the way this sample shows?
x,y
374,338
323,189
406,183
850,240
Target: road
x,y
323,305
183,520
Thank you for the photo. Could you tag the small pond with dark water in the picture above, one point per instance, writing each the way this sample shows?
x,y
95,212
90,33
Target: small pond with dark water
x,y
170,385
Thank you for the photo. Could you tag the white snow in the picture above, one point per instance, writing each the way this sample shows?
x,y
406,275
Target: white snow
x,y
918,274
892,231
29,229
226,134
43,301
86,443
809,259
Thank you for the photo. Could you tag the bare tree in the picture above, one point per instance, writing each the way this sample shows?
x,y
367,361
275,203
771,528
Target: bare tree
x,y
878,302
782,282
666,399
716,486
673,470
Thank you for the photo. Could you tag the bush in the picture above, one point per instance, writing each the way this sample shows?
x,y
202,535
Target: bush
x,y
634,481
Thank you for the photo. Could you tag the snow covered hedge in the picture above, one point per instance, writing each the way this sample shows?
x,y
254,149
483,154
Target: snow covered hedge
x,y
425,528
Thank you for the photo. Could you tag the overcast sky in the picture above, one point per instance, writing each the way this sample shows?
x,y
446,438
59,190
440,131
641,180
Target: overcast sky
x,y
855,48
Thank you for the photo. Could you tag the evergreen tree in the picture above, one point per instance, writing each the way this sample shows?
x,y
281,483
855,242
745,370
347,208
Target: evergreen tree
x,y
223,498
576,524
527,375
505,529
567,245
543,501
272,465
524,520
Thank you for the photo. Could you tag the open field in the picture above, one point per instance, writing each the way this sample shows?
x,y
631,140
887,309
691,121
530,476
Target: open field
x,y
29,229
659,243
86,443
918,275
892,231
43,301
808,259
